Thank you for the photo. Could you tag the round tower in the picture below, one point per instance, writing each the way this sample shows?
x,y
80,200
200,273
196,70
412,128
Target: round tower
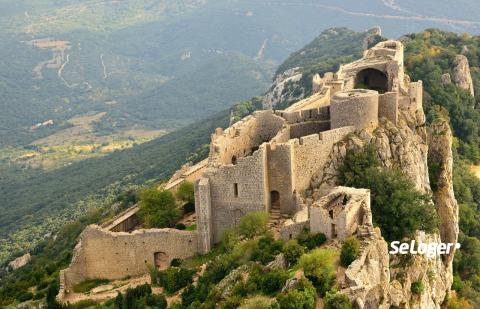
x,y
358,108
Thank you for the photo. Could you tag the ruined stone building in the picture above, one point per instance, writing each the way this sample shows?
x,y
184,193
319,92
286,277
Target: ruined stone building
x,y
266,162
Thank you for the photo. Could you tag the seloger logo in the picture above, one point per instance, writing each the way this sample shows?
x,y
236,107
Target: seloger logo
x,y
428,249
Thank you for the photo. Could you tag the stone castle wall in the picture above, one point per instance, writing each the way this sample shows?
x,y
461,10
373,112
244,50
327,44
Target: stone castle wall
x,y
388,106
358,108
314,114
107,255
244,137
311,153
236,190
280,171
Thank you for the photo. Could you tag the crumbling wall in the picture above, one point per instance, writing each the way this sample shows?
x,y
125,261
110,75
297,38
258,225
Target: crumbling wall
x,y
236,190
312,152
340,213
104,254
244,137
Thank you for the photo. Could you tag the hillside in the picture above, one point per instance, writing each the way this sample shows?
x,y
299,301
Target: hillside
x,y
428,55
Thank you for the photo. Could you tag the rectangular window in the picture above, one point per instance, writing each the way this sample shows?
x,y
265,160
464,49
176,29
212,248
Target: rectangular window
x,y
235,189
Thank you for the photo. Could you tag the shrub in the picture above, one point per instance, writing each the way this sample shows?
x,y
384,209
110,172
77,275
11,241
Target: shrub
x,y
158,208
269,281
253,224
267,248
174,279
292,252
176,263
229,239
350,251
180,226
458,303
337,301
397,207
311,241
417,287
186,193
319,268
87,285
303,296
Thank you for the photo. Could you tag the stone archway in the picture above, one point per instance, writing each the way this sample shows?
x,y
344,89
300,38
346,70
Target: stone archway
x,y
274,200
372,79
234,160
161,260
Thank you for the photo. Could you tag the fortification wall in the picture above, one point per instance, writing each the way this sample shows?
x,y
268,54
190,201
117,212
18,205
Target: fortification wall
x,y
280,171
244,137
298,130
203,210
388,106
415,92
358,108
314,114
103,254
236,190
311,153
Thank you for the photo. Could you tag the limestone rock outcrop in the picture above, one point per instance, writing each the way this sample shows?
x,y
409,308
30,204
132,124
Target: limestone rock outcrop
x,y
461,74
20,261
440,154
278,91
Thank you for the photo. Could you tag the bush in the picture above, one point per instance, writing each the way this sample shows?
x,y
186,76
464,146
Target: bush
x,y
180,226
303,296
311,241
417,287
397,207
186,193
176,263
350,251
158,208
269,281
229,239
88,285
174,279
458,303
337,301
292,252
267,248
319,268
253,224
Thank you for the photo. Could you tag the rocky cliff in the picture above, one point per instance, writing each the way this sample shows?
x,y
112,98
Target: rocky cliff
x,y
461,74
380,280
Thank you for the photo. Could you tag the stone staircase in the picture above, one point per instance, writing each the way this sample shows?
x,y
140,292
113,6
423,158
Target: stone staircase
x,y
275,222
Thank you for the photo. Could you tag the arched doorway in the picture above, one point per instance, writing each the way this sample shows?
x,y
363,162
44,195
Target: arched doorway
x,y
161,260
234,160
274,200
372,79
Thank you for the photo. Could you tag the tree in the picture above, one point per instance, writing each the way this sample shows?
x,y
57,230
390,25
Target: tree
x,y
397,207
350,251
253,224
158,208
186,193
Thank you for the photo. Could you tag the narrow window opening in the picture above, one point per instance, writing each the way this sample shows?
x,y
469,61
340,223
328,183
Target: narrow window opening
x,y
235,189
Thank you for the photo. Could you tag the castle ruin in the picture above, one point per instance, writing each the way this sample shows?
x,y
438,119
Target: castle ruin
x,y
265,162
